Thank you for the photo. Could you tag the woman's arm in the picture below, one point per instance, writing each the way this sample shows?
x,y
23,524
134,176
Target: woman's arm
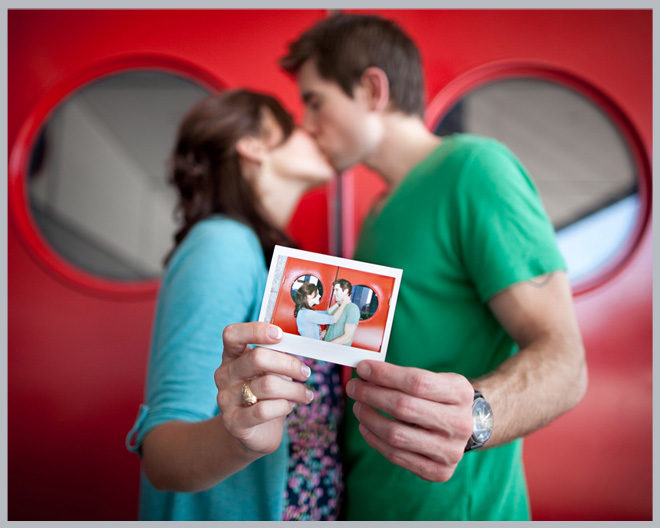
x,y
194,456
339,311
186,446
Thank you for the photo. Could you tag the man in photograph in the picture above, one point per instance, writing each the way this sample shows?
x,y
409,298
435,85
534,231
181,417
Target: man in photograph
x,y
343,331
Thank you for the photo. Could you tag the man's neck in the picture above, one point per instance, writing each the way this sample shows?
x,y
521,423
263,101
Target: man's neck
x,y
406,142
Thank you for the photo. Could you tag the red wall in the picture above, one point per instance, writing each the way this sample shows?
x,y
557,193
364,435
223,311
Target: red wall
x,y
78,346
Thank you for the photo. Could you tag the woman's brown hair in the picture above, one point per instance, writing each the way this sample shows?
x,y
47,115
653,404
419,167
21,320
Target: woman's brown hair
x,y
205,167
303,292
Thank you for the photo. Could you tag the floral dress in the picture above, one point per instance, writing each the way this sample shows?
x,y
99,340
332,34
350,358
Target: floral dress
x,y
315,481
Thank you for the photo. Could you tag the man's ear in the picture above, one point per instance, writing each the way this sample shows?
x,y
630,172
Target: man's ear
x,y
377,88
252,148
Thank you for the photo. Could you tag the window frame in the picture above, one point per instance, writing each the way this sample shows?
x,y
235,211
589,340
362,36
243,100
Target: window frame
x,y
471,80
30,235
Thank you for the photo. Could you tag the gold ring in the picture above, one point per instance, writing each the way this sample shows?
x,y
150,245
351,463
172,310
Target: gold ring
x,y
247,395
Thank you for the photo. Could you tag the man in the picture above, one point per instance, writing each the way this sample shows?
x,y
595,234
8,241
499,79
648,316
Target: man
x,y
343,331
485,315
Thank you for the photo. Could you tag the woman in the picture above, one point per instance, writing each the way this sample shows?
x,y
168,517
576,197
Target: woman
x,y
208,451
308,320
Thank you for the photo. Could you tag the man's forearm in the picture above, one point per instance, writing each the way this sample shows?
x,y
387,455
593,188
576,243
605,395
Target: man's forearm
x,y
533,387
548,374
341,340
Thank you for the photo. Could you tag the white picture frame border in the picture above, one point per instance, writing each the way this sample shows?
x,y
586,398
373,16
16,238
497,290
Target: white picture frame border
x,y
312,348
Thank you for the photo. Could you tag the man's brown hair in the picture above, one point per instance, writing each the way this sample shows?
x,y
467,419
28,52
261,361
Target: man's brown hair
x,y
344,285
343,46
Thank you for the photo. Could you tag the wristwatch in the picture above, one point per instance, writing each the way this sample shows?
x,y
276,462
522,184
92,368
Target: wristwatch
x,y
482,419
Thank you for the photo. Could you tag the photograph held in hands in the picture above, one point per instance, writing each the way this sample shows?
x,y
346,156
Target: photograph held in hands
x,y
330,308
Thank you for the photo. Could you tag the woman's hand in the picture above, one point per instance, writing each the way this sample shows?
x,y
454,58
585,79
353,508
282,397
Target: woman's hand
x,y
272,376
342,305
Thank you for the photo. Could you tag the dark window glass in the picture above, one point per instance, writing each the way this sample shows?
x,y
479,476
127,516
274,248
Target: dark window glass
x,y
96,183
576,156
302,280
366,300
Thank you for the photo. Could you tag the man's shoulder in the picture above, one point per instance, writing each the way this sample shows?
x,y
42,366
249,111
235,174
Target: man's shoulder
x,y
464,140
464,160
454,152
471,146
352,309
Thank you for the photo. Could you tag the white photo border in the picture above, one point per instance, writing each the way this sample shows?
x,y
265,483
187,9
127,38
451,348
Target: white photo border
x,y
322,350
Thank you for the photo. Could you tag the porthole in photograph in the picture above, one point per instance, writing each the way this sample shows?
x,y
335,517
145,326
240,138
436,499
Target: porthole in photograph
x,y
366,300
302,280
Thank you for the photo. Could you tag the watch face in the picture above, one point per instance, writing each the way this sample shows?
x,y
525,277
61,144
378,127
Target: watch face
x,y
482,415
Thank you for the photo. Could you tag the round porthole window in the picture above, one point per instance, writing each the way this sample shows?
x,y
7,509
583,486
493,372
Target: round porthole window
x,y
577,156
366,300
96,179
306,279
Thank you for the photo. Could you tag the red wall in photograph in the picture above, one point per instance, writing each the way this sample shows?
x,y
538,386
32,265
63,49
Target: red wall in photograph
x,y
369,334
294,268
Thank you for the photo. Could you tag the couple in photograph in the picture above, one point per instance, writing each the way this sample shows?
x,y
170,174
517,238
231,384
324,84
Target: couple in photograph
x,y
342,317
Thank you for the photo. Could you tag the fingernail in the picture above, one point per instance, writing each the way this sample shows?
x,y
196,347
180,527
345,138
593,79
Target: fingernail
x,y
293,404
306,371
350,387
274,332
309,394
364,370
356,409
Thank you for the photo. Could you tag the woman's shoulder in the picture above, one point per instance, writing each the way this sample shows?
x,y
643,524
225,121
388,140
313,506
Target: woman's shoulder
x,y
216,240
221,228
220,233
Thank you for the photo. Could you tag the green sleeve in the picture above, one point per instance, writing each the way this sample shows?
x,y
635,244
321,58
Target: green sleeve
x,y
505,234
352,313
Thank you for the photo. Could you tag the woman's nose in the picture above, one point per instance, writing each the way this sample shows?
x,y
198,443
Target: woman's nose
x,y
309,124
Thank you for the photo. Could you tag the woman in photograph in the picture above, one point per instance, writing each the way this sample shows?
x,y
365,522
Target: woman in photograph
x,y
245,434
308,320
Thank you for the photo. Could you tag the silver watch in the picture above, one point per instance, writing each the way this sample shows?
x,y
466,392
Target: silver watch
x,y
482,419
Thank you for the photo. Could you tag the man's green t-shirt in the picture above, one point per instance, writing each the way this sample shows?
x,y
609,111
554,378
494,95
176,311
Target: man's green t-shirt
x,y
464,224
350,315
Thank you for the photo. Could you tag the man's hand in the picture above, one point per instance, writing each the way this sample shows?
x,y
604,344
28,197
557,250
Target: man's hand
x,y
431,416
